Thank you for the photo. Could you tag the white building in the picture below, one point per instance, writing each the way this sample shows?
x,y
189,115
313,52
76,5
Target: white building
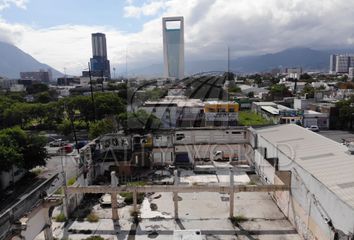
x,y
294,73
316,118
320,172
173,47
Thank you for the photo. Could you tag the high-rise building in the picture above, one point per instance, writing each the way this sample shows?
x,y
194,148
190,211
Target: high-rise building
x,y
100,65
332,64
173,47
99,45
40,76
341,63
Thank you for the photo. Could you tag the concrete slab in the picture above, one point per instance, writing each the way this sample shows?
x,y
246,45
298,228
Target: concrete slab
x,y
207,212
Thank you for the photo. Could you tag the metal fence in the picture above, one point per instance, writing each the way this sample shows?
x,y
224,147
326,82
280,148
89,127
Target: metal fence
x,y
24,205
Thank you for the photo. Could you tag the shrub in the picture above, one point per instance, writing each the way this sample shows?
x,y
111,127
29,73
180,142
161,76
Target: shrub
x,y
128,197
71,181
238,219
252,183
60,191
92,217
60,218
94,238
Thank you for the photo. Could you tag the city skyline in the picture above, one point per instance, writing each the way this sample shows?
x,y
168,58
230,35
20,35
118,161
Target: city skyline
x,y
133,28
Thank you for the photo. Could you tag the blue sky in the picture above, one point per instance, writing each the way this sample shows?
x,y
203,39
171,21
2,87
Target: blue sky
x,y
58,32
49,13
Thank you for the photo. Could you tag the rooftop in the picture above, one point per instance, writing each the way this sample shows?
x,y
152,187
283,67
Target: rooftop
x,y
328,161
265,103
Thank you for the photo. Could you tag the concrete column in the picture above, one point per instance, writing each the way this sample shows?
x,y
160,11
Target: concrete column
x,y
114,203
65,203
175,195
135,201
48,233
114,207
114,180
232,193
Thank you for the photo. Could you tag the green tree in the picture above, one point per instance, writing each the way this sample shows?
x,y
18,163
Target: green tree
x,y
37,88
20,149
250,94
308,90
305,76
65,127
100,127
43,97
139,120
235,89
108,104
279,91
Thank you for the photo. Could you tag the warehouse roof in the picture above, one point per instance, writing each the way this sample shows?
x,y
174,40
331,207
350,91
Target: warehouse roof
x,y
328,161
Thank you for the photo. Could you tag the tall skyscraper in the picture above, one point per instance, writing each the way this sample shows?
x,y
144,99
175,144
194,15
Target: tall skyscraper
x,y
341,63
173,47
100,65
332,64
99,45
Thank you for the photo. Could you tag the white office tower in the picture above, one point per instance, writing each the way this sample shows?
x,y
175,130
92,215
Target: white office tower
x,y
173,47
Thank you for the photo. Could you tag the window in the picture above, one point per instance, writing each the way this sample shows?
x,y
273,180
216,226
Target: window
x,y
236,132
231,110
180,136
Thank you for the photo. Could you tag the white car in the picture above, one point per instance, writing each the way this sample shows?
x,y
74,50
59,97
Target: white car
x,y
314,128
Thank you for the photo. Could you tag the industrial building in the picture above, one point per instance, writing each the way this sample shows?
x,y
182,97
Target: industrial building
x,y
179,111
320,172
278,113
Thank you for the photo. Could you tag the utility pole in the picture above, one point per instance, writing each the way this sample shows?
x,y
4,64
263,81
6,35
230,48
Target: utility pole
x,y
228,63
92,98
102,76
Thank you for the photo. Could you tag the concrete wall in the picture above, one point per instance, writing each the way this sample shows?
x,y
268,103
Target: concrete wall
x,y
163,156
14,175
35,223
310,202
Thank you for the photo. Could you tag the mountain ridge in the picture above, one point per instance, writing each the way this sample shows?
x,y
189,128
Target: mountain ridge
x,y
13,61
307,58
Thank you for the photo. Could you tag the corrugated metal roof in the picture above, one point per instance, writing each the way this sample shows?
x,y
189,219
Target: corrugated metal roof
x,y
328,161
271,110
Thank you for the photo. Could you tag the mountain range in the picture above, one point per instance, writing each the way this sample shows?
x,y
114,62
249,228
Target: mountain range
x,y
306,58
13,61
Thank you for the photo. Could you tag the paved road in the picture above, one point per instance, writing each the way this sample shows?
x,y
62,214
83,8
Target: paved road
x,y
337,135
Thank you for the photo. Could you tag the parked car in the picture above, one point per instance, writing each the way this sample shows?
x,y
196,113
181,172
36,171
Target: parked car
x,y
224,156
314,128
57,143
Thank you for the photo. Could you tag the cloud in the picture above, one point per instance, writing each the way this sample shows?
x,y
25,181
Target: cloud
x,y
147,9
7,3
248,27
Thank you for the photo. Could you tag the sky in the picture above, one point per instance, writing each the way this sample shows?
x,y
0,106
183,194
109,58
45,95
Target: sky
x,y
58,32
